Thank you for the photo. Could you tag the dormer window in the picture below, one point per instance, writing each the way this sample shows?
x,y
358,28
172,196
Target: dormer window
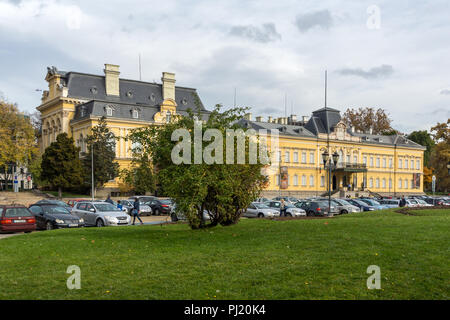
x,y
109,111
135,114
82,111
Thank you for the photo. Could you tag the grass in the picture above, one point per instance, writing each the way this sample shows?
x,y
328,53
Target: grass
x,y
255,259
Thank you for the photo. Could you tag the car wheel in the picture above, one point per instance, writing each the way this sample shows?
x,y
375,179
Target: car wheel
x,y
49,226
260,215
157,213
100,223
174,217
344,211
310,213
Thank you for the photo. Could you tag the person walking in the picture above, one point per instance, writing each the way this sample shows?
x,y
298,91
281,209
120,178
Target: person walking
x,y
402,202
109,200
282,208
136,211
119,205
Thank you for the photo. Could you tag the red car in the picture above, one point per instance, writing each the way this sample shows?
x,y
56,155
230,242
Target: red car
x,y
16,218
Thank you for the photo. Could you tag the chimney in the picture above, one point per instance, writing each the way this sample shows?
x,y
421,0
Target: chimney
x,y
168,85
112,79
280,120
293,118
248,116
259,119
269,119
305,119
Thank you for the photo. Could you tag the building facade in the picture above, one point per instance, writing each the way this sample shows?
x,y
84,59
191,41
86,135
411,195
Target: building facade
x,y
387,165
368,163
75,102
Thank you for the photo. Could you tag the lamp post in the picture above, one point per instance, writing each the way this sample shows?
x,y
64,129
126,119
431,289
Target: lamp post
x,y
331,162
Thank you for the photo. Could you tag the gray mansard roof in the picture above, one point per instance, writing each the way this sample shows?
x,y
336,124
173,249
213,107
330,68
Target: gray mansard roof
x,y
146,96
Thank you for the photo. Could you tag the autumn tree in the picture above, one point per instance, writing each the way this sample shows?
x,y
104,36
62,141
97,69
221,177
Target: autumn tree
x,y
102,143
365,118
440,155
424,139
60,166
17,137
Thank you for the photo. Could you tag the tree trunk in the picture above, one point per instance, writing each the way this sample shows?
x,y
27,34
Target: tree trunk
x,y
59,192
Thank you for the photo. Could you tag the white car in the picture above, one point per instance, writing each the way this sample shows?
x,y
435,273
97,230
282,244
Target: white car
x,y
291,210
260,210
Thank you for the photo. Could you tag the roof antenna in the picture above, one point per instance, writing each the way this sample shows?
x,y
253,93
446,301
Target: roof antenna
x,y
140,70
325,88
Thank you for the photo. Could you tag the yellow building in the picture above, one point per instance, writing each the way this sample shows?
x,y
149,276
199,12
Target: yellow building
x,y
387,165
74,103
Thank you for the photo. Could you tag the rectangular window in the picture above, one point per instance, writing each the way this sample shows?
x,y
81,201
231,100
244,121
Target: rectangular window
x,y
384,183
412,164
384,162
296,157
287,156
365,160
390,183
371,161
304,180
311,157
377,183
348,158
406,164
378,162
355,159
303,157
135,114
322,181
311,181
109,112
296,180
390,162
418,164
399,183
371,183
400,162
278,179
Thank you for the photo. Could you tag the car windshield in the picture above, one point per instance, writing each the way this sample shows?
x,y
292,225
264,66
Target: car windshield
x,y
104,207
55,210
17,212
322,203
261,206
344,202
167,201
361,203
421,201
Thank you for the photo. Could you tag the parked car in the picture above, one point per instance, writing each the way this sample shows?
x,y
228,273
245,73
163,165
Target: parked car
x,y
391,203
127,206
143,204
422,203
343,206
176,215
287,199
316,207
100,214
361,205
16,218
374,203
72,202
160,206
52,216
260,210
261,200
291,210
55,202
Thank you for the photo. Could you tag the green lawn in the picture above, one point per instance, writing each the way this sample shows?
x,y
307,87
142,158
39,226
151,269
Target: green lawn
x,y
255,259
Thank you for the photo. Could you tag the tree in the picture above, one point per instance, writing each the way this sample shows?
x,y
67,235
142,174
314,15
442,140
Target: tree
x,y
17,137
103,143
221,190
366,118
440,155
424,139
61,166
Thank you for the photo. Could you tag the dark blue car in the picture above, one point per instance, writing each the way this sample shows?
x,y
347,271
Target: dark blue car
x,y
361,204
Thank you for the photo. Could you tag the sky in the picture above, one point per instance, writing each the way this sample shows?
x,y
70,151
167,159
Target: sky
x,y
392,55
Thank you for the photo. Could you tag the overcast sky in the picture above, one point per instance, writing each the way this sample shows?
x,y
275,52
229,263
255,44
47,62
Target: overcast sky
x,y
383,54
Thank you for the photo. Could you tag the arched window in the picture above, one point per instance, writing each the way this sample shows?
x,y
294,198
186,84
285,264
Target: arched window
x,y
377,183
384,183
295,180
304,180
311,181
399,183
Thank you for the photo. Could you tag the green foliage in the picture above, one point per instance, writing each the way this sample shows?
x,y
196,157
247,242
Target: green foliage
x,y
61,166
222,190
103,143
424,139
440,156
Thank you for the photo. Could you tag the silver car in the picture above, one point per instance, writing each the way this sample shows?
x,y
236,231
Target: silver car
x,y
345,207
260,210
100,214
291,210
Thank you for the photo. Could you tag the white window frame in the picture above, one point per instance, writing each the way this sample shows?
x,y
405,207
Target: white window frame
x,y
303,157
295,157
287,156
295,180
311,181
304,180
311,158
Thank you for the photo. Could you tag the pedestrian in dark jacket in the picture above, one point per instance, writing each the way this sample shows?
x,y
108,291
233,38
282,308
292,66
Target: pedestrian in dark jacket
x,y
136,211
402,202
109,200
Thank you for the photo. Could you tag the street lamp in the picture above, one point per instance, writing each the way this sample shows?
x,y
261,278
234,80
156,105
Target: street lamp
x,y
326,159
